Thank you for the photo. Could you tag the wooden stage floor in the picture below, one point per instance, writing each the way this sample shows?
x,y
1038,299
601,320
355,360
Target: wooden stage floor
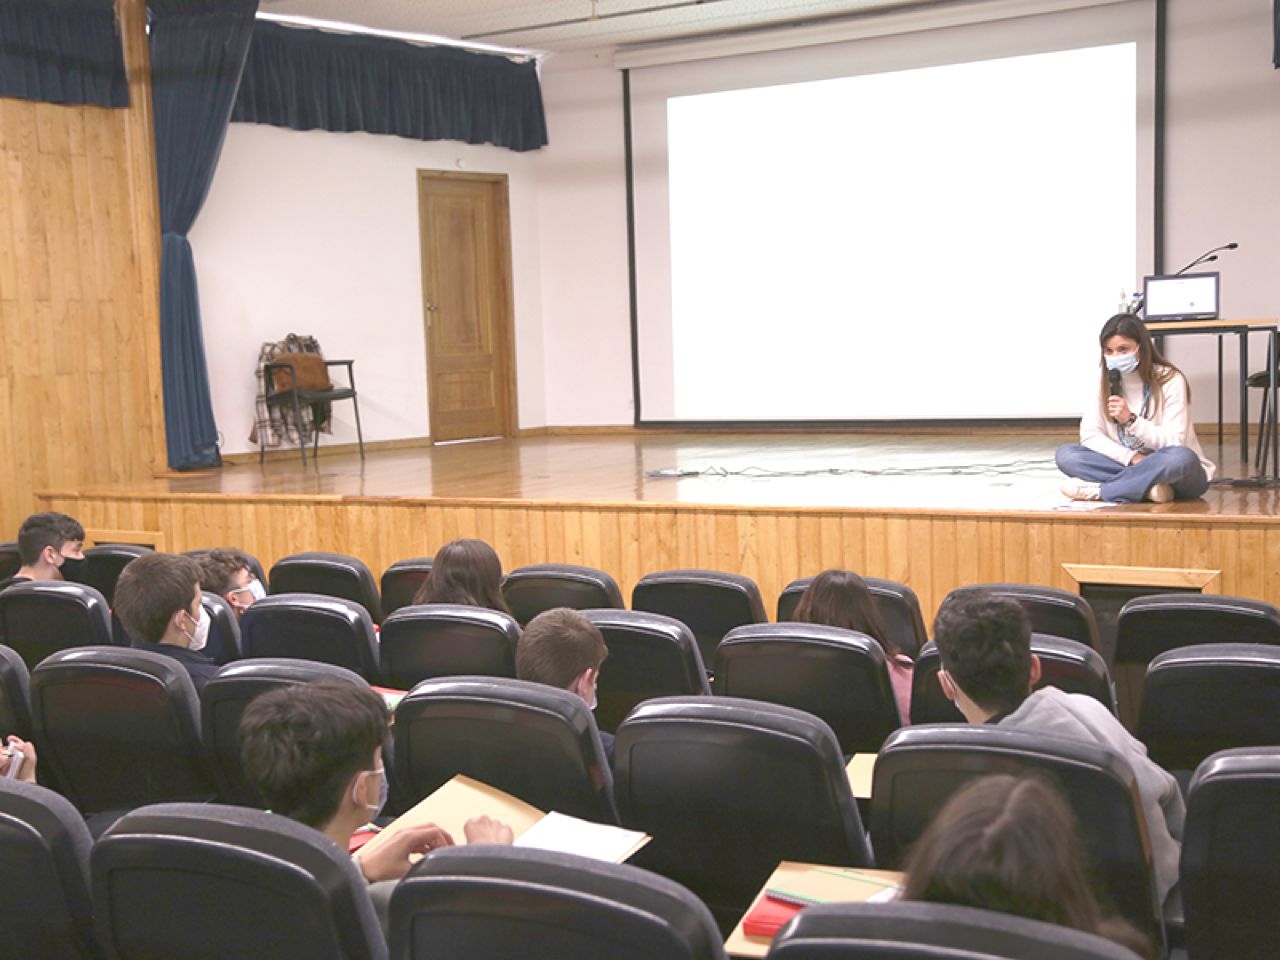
x,y
934,511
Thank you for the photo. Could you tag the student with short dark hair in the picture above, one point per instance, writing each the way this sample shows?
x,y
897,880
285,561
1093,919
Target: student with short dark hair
x,y
988,670
158,600
467,572
564,649
227,573
1012,845
50,547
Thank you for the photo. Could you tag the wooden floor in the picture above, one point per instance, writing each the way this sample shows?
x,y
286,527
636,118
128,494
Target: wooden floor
x,y
932,511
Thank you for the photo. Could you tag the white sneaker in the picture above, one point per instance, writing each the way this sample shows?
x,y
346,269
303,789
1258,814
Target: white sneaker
x,y
1160,493
1081,489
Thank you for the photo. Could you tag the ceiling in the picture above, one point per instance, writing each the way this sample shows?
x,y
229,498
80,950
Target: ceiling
x,y
561,25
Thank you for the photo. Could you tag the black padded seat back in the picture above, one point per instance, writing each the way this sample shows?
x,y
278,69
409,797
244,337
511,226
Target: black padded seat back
x,y
223,645
328,574
223,702
905,930
649,656
708,602
206,882
44,616
1148,626
105,562
424,641
920,768
727,788
535,742
1210,697
838,675
1231,856
1059,613
45,911
897,604
10,560
119,728
307,626
533,589
15,695
463,903
255,565
401,582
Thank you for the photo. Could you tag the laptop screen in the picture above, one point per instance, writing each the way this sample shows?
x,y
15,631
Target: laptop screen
x,y
1192,296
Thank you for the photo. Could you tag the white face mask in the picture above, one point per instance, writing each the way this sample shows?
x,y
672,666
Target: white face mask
x,y
1124,362
200,636
255,591
384,788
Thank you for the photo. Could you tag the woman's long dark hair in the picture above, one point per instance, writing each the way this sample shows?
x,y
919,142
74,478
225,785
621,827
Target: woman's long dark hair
x,y
1153,368
467,572
839,598
1011,844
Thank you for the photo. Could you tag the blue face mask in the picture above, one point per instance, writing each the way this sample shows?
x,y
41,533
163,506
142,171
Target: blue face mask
x,y
1124,362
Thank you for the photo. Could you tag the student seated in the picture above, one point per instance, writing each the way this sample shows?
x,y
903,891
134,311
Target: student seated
x,y
564,649
466,572
158,601
227,574
314,752
51,547
1011,844
988,671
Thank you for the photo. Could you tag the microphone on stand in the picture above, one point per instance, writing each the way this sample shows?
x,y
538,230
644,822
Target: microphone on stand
x,y
1207,257
1114,377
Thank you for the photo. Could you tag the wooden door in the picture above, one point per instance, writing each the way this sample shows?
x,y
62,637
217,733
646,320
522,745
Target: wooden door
x,y
466,289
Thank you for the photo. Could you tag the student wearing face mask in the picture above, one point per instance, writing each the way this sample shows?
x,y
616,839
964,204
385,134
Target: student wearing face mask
x,y
1137,441
227,574
158,601
50,546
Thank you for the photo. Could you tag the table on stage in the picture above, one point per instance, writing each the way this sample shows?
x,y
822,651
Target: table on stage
x,y
1242,329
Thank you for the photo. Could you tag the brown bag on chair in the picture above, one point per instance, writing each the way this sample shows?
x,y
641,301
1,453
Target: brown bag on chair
x,y
309,369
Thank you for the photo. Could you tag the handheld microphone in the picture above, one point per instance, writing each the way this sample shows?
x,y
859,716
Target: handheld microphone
x,y
1114,377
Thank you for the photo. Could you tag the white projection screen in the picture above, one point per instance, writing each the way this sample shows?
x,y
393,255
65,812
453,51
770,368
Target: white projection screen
x,y
929,226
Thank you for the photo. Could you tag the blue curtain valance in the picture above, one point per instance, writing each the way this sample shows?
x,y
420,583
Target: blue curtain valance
x,y
62,51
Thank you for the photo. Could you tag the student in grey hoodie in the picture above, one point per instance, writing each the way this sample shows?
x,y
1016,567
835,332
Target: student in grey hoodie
x,y
988,671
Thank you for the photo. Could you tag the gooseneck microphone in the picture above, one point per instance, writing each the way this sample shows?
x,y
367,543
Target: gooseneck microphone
x,y
1114,377
1207,257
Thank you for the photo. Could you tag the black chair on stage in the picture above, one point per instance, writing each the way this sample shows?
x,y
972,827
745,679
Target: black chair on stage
x,y
45,912
10,560
649,656
204,881
897,604
708,602
837,675
329,575
288,386
255,566
41,617
1149,626
401,582
536,742
461,903
104,563
931,931
15,695
311,627
538,587
1057,613
431,640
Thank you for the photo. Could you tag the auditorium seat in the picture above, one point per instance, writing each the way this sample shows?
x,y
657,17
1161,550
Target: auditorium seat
x,y
932,931
255,565
311,627
838,675
330,575
44,616
430,640
1055,612
896,603
1064,664
201,882
10,560
1148,626
119,728
1210,697
15,695
538,587
1231,856
536,742
919,769
710,603
727,788
223,703
45,911
649,656
223,645
401,582
104,563
465,903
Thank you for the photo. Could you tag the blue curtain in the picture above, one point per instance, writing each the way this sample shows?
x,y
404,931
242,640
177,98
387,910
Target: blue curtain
x,y
313,80
62,51
198,49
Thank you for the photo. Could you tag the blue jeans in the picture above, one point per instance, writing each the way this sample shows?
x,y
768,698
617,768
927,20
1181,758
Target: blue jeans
x,y
1177,466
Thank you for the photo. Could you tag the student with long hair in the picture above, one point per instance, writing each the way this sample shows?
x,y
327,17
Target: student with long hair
x,y
839,598
1011,844
466,572
1137,442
